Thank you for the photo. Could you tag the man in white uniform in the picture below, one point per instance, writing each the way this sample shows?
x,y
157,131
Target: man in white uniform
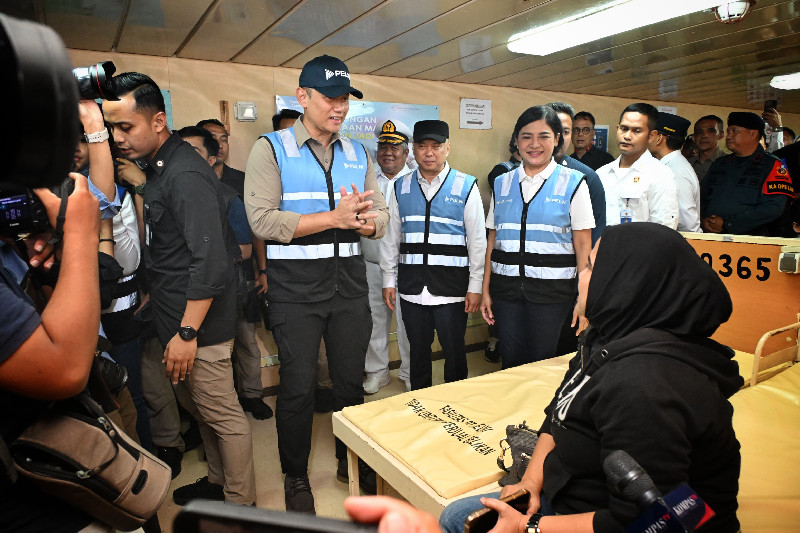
x,y
391,158
638,187
666,147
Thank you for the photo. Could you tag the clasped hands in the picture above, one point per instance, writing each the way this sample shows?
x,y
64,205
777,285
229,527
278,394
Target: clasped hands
x,y
352,212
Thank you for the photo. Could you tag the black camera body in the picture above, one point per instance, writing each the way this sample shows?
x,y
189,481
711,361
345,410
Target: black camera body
x,y
21,212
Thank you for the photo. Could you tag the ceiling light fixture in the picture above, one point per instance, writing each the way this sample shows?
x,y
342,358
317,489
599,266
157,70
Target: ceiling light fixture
x,y
733,12
601,21
786,82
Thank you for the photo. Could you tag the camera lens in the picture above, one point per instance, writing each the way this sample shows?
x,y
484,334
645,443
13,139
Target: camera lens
x,y
41,92
94,81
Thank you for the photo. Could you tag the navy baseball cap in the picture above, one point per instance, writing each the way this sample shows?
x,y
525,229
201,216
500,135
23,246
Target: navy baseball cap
x,y
328,75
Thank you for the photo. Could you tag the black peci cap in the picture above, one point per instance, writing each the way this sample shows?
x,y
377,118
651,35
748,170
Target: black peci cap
x,y
672,125
748,120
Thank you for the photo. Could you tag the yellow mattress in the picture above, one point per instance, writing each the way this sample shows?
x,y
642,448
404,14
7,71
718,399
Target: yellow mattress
x,y
449,434
767,422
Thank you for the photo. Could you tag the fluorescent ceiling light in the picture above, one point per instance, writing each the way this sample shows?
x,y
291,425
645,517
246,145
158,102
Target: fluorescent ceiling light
x,y
611,18
786,82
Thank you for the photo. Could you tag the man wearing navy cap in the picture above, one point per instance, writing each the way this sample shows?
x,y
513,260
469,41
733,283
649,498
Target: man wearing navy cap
x,y
436,243
311,194
745,191
666,147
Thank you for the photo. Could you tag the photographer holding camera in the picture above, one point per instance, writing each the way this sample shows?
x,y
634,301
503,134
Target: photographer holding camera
x,y
48,357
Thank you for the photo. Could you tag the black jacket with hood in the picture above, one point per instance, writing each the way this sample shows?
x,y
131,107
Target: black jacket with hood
x,y
648,381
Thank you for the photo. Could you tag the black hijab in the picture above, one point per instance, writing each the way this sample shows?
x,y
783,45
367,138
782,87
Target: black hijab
x,y
647,276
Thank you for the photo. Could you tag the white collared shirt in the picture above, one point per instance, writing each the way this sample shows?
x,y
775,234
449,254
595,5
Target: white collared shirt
x,y
688,191
580,207
647,189
476,243
370,248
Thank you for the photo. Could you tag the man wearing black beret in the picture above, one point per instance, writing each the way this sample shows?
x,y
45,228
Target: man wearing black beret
x,y
746,190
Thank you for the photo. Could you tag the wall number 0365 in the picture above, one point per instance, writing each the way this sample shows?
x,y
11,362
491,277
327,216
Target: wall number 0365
x,y
742,267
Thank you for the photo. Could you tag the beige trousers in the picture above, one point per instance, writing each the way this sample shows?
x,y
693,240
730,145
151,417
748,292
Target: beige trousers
x,y
226,432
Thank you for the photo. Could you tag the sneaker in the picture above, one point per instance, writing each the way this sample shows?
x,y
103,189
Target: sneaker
x,y
367,479
256,407
374,382
323,400
171,456
202,489
492,353
297,493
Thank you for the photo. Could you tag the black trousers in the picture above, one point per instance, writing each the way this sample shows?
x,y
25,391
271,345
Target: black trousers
x,y
450,323
528,331
346,326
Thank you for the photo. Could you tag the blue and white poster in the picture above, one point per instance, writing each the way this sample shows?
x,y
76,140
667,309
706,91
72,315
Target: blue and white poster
x,y
365,118
601,137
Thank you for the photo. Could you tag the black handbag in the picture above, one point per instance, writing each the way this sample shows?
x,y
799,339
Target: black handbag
x,y
520,439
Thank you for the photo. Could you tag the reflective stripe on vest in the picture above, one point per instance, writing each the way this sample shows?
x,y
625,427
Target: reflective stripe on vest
x,y
446,227
547,230
305,192
433,247
312,251
123,302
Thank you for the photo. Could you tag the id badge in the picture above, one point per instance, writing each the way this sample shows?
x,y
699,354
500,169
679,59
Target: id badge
x,y
626,215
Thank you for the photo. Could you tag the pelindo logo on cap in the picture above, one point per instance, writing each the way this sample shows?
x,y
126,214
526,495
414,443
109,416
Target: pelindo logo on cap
x,y
331,73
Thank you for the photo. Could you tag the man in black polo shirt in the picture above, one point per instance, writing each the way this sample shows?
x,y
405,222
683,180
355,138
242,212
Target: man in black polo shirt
x,y
583,140
191,282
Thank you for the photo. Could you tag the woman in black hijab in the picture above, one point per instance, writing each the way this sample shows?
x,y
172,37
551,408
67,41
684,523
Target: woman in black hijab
x,y
647,380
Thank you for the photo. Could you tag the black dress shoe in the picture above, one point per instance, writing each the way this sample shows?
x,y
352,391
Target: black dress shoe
x,y
171,456
202,489
367,479
256,407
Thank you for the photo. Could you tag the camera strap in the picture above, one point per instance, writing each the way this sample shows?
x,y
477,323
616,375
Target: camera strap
x,y
58,231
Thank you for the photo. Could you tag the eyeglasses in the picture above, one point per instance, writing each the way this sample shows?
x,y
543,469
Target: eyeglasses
x,y
586,131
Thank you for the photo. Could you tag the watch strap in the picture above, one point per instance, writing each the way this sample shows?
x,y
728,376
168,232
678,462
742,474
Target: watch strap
x,y
96,137
187,333
139,189
533,523
262,271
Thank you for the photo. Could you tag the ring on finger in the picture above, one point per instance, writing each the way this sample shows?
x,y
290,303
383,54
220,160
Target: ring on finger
x,y
356,216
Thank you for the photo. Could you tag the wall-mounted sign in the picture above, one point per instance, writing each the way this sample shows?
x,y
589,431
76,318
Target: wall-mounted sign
x,y
475,114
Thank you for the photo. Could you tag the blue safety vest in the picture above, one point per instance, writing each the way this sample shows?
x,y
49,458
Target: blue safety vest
x,y
312,267
433,248
533,255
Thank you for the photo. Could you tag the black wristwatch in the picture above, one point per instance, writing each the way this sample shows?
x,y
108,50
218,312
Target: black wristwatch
x,y
262,271
187,333
533,523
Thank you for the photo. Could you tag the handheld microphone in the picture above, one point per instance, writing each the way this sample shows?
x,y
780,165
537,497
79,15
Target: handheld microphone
x,y
682,510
